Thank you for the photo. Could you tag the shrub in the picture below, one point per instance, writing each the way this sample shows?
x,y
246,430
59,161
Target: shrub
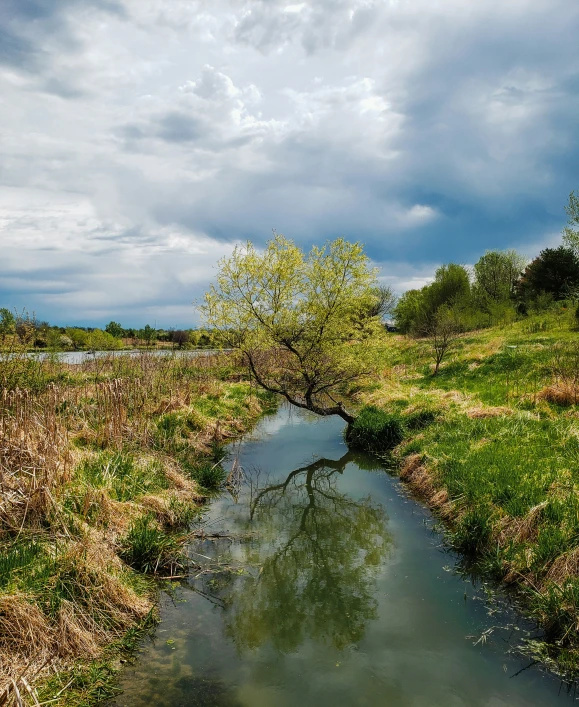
x,y
375,430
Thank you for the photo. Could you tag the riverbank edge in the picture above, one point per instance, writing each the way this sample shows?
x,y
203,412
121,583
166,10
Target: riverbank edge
x,y
415,466
80,682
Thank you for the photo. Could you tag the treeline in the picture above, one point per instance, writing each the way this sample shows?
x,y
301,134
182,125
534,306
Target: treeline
x,y
24,330
499,287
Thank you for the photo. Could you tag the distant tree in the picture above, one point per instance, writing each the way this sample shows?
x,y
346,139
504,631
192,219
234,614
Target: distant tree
x,y
408,310
442,331
99,340
180,337
571,230
7,322
496,273
147,334
416,310
451,286
25,328
163,335
203,339
77,336
115,329
554,272
382,302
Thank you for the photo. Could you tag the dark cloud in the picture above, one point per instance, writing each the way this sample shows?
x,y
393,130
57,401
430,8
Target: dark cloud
x,y
180,127
33,30
431,132
16,50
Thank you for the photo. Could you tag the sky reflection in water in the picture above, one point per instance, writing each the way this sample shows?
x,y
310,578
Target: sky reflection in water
x,y
342,597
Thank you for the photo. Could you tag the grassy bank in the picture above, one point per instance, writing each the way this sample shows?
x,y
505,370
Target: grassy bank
x,y
492,444
102,467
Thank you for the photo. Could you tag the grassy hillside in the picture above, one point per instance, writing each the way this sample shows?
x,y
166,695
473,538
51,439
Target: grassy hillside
x,y
492,443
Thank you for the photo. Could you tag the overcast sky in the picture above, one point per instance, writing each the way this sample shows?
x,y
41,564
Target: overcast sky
x,y
140,139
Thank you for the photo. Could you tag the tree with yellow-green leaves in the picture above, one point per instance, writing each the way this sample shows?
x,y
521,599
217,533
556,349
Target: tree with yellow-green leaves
x,y
305,324
571,230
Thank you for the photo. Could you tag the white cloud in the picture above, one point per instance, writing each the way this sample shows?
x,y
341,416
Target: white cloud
x,y
140,139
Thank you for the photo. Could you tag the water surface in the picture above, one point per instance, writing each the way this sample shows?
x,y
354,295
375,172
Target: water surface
x,y
341,595
84,356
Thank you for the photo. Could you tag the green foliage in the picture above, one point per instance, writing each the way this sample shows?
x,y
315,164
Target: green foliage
x,y
147,334
408,310
79,337
209,475
375,430
20,562
7,322
125,479
496,273
554,272
419,419
571,231
149,549
473,533
296,317
85,685
115,329
451,286
417,310
98,340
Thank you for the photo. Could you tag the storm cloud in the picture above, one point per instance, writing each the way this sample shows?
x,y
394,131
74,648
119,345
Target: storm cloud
x,y
141,139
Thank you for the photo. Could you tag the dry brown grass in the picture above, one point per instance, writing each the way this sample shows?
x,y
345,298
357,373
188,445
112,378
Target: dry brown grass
x,y
32,642
523,529
565,566
562,393
45,436
415,472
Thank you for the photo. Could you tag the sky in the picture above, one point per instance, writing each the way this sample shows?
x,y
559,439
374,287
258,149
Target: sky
x,y
140,140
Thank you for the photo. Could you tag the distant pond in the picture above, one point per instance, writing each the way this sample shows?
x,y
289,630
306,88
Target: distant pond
x,y
83,356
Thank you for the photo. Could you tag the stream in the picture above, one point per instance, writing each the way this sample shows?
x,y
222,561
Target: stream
x,y
342,595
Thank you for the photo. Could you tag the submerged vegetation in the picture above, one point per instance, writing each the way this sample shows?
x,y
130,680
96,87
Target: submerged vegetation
x,y
102,467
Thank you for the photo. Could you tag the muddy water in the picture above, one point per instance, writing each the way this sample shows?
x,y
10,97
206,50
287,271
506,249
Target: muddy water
x,y
341,594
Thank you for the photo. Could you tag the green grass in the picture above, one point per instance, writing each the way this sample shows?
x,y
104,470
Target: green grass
x,y
149,549
124,478
375,430
511,475
93,682
99,521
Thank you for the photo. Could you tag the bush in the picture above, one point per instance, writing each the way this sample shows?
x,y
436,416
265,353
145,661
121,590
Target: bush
x,y
375,430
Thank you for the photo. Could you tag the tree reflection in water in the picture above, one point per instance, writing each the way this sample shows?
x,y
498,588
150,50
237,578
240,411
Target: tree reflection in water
x,y
317,559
